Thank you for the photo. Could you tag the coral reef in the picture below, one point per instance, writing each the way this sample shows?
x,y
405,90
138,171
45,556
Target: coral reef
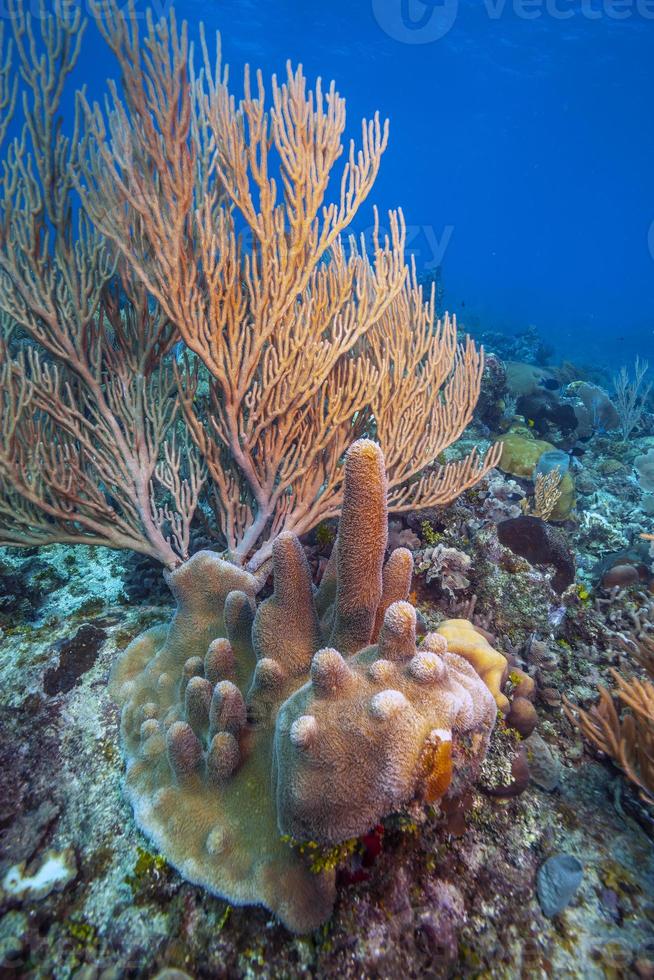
x,y
502,498
533,539
188,347
629,740
229,698
455,893
445,566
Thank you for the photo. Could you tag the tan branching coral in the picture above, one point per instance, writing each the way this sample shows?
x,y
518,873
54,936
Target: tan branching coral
x,y
245,728
627,738
210,221
87,394
8,85
547,493
643,651
305,343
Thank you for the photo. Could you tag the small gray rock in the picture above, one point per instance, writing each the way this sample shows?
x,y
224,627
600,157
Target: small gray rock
x,y
544,764
557,881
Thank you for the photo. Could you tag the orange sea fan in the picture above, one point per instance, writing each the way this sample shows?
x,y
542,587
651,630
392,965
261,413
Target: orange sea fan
x,y
628,738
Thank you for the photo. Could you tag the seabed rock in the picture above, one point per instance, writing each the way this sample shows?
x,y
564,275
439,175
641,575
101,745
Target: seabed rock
x,y
557,882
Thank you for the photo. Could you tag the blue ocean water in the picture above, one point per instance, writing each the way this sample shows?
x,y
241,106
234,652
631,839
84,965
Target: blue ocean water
x,y
521,145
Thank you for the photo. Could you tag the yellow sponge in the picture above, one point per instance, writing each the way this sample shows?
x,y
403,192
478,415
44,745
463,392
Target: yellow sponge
x,y
463,639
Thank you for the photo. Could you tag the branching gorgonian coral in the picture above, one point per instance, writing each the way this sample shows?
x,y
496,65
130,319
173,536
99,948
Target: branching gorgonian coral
x,y
209,221
627,737
304,342
631,395
88,452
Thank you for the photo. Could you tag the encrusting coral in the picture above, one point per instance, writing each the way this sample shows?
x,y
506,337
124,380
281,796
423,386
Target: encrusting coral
x,y
244,727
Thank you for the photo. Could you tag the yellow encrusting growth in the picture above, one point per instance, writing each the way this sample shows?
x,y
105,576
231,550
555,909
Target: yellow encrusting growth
x,y
435,766
464,639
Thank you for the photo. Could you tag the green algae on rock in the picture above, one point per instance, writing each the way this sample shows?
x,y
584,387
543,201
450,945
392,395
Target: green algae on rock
x,y
242,725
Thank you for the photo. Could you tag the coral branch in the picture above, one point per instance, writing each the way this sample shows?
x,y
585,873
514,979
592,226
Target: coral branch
x,y
89,399
305,342
627,740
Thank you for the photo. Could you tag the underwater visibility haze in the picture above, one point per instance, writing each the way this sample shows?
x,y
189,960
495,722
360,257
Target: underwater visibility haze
x,y
326,489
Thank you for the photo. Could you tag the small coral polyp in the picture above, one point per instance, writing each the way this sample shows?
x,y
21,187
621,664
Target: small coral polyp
x,y
311,716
